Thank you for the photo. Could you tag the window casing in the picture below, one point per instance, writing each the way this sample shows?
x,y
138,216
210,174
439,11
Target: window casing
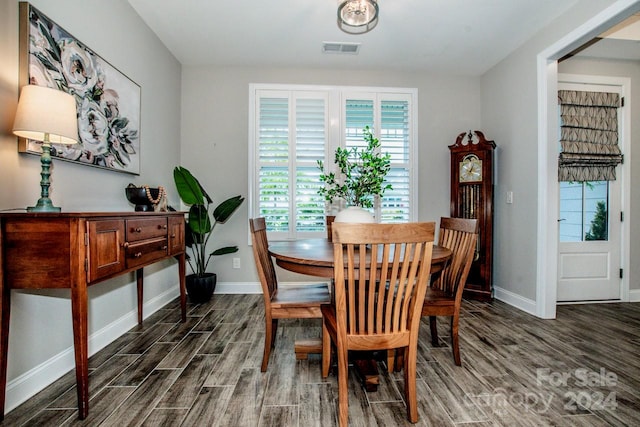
x,y
291,127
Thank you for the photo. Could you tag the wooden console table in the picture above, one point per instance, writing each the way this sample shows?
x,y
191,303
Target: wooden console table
x,y
75,251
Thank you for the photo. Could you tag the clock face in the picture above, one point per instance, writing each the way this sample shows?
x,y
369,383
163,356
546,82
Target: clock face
x,y
471,169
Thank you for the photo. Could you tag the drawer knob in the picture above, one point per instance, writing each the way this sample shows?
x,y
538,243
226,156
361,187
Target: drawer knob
x,y
137,255
138,230
173,236
164,248
162,227
125,245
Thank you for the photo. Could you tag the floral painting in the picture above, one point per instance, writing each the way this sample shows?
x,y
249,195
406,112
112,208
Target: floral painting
x,y
108,102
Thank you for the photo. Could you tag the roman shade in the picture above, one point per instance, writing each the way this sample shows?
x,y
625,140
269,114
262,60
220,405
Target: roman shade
x,y
589,148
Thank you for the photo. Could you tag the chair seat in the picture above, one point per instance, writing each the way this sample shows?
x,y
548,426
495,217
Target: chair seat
x,y
439,297
301,296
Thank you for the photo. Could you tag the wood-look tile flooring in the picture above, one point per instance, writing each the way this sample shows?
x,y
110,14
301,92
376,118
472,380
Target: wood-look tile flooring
x,y
582,369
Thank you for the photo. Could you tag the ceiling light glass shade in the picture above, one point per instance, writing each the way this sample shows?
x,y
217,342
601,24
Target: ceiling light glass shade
x,y
357,16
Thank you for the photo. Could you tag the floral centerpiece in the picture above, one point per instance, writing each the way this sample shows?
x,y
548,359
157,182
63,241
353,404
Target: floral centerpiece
x,y
361,174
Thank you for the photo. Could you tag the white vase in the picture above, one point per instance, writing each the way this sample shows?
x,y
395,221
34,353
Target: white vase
x,y
354,214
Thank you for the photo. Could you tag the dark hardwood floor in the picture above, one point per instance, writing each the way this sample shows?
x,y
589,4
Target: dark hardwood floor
x,y
581,369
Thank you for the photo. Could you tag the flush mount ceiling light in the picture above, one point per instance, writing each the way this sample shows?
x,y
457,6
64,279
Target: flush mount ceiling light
x,y
357,16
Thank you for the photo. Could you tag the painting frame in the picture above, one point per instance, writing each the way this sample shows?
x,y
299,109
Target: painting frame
x,y
108,102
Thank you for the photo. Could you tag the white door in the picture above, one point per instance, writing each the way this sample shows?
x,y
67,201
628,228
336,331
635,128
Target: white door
x,y
590,235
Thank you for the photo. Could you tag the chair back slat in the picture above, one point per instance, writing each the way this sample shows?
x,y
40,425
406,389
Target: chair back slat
x,y
459,235
380,272
264,263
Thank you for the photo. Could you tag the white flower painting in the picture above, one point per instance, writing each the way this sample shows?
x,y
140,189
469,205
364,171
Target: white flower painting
x,y
108,102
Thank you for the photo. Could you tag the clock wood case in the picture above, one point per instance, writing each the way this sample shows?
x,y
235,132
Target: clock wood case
x,y
472,197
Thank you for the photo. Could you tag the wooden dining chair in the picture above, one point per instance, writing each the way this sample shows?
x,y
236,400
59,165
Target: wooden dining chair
x,y
378,306
285,302
329,223
444,295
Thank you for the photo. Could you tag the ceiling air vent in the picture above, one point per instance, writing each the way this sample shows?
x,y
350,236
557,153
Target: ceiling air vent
x,y
334,47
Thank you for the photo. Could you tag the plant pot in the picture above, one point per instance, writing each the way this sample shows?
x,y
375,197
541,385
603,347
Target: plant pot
x,y
200,288
354,214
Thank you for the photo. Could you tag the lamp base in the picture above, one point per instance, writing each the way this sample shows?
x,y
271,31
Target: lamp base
x,y
43,205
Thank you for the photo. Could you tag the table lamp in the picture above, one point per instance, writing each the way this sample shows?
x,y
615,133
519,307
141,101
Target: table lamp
x,y
47,115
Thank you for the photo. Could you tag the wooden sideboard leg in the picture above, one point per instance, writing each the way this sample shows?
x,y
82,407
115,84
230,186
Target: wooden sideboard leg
x,y
139,281
80,345
183,287
5,306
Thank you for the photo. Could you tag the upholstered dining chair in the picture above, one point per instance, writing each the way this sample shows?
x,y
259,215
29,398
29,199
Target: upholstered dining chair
x,y
285,302
381,274
444,295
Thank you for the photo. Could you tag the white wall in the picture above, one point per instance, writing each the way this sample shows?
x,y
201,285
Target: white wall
x,y
41,325
215,137
510,116
631,70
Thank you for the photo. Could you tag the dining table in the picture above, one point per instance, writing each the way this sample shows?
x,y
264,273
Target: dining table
x,y
314,257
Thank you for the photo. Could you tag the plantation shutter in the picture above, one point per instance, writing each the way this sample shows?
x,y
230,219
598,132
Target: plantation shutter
x,y
589,148
273,159
291,138
394,136
293,126
358,114
310,147
395,140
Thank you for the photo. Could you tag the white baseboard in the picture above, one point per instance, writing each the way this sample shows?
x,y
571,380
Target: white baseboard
x,y
634,295
238,288
33,381
249,287
515,300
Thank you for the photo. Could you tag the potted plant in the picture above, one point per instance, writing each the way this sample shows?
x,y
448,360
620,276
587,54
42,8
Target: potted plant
x,y
200,225
361,178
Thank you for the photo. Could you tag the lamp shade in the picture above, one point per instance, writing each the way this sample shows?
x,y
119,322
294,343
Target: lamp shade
x,y
46,114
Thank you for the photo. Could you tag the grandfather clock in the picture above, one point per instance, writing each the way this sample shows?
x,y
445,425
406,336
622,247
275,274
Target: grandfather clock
x,y
472,197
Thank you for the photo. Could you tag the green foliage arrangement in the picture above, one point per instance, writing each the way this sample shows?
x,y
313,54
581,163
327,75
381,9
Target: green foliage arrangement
x,y
200,225
362,174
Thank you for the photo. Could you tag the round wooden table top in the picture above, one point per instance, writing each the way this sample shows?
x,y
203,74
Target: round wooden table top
x,y
314,257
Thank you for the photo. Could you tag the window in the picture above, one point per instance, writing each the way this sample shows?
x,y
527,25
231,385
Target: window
x,y
292,127
584,208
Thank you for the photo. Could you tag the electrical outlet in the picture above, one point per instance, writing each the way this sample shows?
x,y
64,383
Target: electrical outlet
x,y
236,263
509,197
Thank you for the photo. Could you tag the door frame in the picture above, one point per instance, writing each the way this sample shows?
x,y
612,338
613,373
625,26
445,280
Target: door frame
x,y
547,229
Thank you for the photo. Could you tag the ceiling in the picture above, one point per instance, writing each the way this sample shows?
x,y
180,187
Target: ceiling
x,y
622,41
464,37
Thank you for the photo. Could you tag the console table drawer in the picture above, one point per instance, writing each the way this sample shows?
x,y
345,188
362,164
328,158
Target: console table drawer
x,y
145,228
145,252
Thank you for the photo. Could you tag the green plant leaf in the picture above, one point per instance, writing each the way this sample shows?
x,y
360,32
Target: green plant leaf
x,y
362,174
199,221
188,187
225,209
224,251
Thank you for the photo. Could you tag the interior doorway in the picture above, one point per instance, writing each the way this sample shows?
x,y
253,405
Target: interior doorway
x,y
548,191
